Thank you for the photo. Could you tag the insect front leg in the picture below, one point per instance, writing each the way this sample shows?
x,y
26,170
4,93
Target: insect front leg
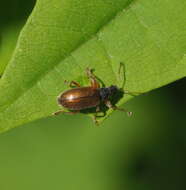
x,y
109,105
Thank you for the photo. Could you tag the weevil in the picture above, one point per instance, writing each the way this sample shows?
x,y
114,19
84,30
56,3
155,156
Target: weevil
x,y
81,98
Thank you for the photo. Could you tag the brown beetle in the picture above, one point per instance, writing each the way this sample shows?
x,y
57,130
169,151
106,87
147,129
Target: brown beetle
x,y
81,98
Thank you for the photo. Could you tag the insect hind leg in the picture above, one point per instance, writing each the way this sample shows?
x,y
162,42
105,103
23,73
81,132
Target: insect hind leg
x,y
65,112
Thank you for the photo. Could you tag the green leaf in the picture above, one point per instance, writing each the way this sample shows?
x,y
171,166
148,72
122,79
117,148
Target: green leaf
x,y
62,38
12,16
8,37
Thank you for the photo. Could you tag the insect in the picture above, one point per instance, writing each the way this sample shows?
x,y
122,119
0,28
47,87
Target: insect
x,y
81,98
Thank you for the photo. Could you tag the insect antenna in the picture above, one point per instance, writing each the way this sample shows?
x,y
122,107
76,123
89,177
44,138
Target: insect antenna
x,y
122,65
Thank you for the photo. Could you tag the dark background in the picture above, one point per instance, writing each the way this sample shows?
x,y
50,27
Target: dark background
x,y
145,151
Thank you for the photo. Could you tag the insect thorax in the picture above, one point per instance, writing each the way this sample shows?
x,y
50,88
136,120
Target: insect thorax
x,y
105,93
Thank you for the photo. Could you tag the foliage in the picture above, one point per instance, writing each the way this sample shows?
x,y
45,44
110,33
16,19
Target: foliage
x,y
62,38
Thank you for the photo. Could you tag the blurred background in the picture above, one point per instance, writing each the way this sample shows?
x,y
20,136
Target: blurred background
x,y
145,151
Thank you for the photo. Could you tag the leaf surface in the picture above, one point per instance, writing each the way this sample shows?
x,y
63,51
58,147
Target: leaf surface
x,y
8,37
62,38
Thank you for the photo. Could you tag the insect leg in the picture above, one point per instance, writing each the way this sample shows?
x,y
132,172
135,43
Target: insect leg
x,y
97,109
109,105
95,116
65,112
95,119
72,84
58,112
91,76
